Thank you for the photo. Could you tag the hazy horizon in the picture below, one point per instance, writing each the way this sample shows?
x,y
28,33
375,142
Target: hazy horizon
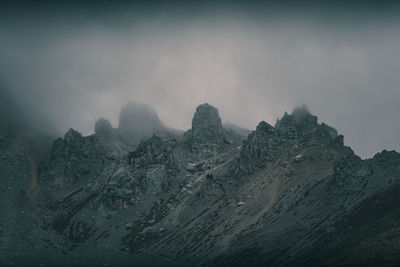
x,y
70,65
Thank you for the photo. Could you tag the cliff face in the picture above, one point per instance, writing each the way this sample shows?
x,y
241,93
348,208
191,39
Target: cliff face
x,y
72,159
292,194
206,138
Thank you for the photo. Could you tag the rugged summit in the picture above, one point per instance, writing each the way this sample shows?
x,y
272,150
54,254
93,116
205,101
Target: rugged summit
x,y
152,151
288,195
73,159
140,120
206,137
301,123
260,147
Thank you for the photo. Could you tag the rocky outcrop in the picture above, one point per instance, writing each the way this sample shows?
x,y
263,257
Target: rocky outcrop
x,y
353,175
301,121
153,151
206,137
102,126
73,159
147,172
291,134
104,131
260,147
301,125
139,120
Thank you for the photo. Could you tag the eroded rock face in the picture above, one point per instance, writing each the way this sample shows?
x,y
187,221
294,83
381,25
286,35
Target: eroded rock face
x,y
260,147
301,120
206,137
301,124
292,132
73,158
153,151
104,131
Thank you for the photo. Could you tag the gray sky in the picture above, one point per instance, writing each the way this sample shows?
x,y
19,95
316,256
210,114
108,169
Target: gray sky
x,y
70,68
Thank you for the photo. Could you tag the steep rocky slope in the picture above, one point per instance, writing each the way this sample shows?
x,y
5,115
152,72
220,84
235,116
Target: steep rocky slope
x,y
289,194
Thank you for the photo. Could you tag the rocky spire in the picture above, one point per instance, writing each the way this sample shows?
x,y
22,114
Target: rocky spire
x,y
102,126
260,147
104,130
139,119
302,124
300,121
206,137
72,136
298,129
72,159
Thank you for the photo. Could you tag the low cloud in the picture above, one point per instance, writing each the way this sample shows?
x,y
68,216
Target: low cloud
x,y
71,73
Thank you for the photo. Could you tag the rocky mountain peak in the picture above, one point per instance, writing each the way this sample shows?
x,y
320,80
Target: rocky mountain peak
x,y
302,125
102,126
152,151
139,119
206,137
299,130
104,130
206,116
391,157
301,111
264,127
260,147
72,136
299,119
74,158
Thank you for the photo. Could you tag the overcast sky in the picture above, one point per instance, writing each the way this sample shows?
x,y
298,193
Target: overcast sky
x,y
69,65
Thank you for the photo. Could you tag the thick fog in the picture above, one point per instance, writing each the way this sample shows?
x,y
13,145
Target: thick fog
x,y
70,69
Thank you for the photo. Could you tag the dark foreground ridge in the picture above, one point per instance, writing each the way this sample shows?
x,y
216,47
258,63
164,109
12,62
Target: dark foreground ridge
x,y
216,195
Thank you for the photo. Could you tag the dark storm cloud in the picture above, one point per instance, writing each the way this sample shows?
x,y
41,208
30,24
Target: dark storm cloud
x,y
71,64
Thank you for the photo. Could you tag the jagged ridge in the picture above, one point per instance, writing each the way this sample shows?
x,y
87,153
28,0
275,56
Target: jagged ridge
x,y
212,197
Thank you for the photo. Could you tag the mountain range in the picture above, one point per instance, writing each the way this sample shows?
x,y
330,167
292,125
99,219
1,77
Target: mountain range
x,y
143,194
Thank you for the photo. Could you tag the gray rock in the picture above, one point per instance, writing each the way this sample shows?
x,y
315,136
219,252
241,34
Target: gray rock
x,y
260,147
74,158
139,120
102,126
206,138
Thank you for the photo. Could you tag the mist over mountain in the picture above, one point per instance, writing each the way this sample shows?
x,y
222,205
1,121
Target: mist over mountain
x,y
69,64
212,133
216,195
141,120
